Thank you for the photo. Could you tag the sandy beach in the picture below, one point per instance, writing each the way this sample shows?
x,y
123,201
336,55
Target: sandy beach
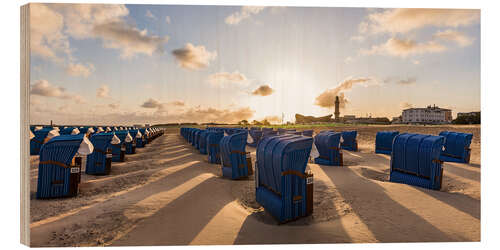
x,y
168,194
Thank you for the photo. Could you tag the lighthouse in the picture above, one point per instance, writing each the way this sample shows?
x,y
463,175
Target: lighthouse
x,y
337,106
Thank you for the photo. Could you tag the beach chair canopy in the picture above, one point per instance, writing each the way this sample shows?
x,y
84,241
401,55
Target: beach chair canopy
x,y
280,175
383,141
349,141
233,155
456,146
328,146
415,160
55,166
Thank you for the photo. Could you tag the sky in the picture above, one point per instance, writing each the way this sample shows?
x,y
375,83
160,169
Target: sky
x,y
136,64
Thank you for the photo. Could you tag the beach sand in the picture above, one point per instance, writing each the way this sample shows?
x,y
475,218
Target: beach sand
x,y
168,194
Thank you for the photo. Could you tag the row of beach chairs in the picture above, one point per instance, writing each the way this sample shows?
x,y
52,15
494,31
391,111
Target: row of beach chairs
x,y
285,188
61,154
417,159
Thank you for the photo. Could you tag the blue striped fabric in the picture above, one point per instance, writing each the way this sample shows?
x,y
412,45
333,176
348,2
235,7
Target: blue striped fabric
x,y
54,180
350,142
275,190
415,160
456,147
37,141
383,142
96,162
119,149
233,155
328,146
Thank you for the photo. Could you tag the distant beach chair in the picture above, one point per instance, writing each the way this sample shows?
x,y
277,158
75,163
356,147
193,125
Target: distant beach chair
x,y
283,187
328,146
235,163
383,141
349,140
99,161
202,143
130,148
213,146
308,133
456,147
59,167
415,160
118,150
40,137
256,136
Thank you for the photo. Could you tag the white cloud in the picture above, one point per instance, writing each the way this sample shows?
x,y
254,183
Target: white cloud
x,y
358,38
103,91
402,48
51,25
226,77
455,36
78,69
150,15
194,57
406,20
46,89
46,33
129,40
244,13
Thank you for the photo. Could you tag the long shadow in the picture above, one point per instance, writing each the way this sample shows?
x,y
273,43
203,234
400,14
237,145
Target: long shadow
x,y
380,213
179,222
462,172
459,201
41,234
259,225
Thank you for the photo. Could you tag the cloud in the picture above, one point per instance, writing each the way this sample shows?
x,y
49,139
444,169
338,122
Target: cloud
x,y
53,24
177,103
403,48
263,90
150,15
46,33
244,13
273,119
327,98
405,105
80,19
209,114
103,91
114,105
167,19
406,20
77,69
128,39
408,81
226,77
194,57
358,38
455,36
152,103
44,88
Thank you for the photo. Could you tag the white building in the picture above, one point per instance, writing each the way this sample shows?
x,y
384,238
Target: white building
x,y
429,115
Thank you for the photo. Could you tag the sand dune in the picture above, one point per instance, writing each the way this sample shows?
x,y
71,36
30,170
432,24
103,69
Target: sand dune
x,y
168,194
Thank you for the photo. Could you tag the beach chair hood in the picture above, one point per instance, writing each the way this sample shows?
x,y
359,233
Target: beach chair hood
x,y
115,140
